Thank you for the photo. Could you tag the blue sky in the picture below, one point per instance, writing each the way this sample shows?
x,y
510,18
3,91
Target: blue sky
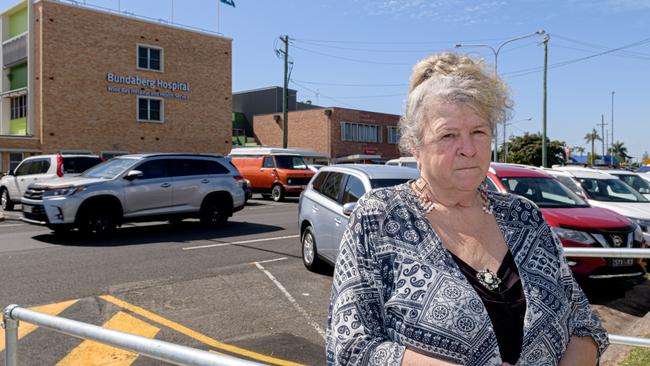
x,y
358,53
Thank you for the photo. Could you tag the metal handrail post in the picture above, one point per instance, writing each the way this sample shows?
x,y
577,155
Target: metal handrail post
x,y
11,336
159,350
629,341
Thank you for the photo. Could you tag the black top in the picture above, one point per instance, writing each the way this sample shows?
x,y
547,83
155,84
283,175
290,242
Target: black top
x,y
506,306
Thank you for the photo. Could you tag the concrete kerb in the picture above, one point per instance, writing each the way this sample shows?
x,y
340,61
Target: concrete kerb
x,y
2,216
616,353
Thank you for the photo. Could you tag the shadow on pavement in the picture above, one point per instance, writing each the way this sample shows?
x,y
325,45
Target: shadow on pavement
x,y
631,297
160,233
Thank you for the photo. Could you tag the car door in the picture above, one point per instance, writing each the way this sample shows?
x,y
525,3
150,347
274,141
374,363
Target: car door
x,y
19,175
36,170
151,194
192,180
267,174
328,218
352,191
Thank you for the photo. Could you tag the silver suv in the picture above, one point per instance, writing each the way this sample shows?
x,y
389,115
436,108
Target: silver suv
x,y
40,168
144,187
328,201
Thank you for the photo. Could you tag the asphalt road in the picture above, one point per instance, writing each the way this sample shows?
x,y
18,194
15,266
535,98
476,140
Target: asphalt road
x,y
239,290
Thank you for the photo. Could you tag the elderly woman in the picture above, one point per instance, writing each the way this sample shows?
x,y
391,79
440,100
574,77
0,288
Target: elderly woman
x,y
439,271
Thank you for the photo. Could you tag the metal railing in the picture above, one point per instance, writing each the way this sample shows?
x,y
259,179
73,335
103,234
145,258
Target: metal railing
x,y
159,350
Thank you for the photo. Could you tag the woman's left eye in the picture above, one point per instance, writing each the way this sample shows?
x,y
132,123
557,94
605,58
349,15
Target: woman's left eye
x,y
480,132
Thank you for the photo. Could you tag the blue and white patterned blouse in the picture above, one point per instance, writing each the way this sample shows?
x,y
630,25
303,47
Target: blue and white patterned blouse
x,y
396,286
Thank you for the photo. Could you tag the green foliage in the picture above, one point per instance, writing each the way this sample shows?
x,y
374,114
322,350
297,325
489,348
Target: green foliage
x,y
637,357
527,149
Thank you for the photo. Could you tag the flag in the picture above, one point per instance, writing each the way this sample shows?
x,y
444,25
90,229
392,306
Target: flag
x,y
229,2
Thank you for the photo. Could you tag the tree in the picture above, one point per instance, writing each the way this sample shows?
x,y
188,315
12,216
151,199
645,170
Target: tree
x,y
619,151
591,137
527,150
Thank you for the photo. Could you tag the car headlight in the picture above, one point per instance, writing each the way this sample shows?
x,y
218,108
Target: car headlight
x,y
64,191
288,181
574,235
638,234
645,224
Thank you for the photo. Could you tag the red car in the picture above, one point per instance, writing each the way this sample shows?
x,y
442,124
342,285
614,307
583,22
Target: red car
x,y
574,221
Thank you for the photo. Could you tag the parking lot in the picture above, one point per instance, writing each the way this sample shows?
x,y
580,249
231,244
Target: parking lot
x,y
240,290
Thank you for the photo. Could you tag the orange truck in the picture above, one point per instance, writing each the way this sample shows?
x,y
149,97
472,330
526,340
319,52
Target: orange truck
x,y
274,173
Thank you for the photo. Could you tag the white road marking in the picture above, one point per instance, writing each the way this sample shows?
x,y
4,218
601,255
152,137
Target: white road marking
x,y
269,206
270,260
293,301
241,242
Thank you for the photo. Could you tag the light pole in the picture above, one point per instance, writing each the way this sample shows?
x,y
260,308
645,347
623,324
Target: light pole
x,y
611,160
505,143
496,51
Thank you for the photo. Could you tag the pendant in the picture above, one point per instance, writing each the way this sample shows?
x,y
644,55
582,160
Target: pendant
x,y
488,279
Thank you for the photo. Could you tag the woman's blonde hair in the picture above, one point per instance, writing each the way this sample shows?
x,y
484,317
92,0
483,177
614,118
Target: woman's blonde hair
x,y
452,78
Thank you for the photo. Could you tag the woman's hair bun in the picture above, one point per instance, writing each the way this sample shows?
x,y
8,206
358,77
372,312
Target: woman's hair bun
x,y
441,64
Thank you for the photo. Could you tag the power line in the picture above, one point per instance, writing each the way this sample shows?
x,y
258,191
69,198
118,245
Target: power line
x,y
600,47
448,42
323,96
351,59
352,85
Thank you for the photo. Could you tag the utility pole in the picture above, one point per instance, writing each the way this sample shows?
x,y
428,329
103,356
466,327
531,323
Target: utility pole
x,y
285,91
602,132
612,141
544,160
505,149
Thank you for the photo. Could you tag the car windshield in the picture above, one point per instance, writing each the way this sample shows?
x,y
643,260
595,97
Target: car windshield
x,y
109,169
290,162
610,190
380,183
545,192
570,183
636,182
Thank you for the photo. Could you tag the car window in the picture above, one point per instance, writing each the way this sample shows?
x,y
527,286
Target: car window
x,y
635,182
318,180
188,167
610,190
23,169
78,165
153,169
268,162
39,166
354,189
332,185
545,192
290,162
109,169
381,183
490,185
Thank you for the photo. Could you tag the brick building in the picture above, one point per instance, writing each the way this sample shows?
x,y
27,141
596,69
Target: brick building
x,y
77,79
335,131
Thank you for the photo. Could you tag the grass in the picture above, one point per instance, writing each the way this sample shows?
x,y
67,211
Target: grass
x,y
639,356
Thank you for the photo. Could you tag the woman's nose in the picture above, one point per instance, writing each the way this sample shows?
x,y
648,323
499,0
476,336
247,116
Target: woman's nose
x,y
467,146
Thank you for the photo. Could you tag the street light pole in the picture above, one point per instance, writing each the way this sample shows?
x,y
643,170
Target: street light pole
x,y
611,162
495,52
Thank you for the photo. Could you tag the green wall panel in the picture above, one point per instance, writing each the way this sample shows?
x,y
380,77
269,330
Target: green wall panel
x,y
18,126
18,76
18,23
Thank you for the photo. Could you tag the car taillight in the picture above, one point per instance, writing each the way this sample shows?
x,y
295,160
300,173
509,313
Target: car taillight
x,y
238,178
59,165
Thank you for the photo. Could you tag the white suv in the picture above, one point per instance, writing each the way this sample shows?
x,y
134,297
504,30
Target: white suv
x,y
143,187
40,168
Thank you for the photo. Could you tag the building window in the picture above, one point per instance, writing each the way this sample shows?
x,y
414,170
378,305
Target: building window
x,y
359,132
150,109
19,107
393,135
14,160
150,58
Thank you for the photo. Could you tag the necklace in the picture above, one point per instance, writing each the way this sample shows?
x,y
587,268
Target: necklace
x,y
423,193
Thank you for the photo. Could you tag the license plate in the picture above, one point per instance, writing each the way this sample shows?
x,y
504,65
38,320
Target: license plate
x,y
621,262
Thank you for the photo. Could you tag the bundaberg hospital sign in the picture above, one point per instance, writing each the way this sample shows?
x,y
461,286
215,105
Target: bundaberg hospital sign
x,y
174,87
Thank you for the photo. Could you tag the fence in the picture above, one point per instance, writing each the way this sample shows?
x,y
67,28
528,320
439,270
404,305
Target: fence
x,y
181,355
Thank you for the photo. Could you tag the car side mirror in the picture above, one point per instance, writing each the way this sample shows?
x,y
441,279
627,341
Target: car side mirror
x,y
133,175
10,172
348,208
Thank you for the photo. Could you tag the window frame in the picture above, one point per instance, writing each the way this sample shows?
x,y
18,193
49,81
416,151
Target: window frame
x,y
18,107
149,47
345,186
395,134
361,132
22,157
162,109
166,162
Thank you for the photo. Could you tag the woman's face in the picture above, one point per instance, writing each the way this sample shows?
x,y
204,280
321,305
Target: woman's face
x,y
456,149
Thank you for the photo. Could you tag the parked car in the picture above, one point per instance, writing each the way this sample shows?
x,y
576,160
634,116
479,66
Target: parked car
x,y
143,187
633,180
275,175
607,191
41,168
407,161
329,199
574,221
315,167
643,169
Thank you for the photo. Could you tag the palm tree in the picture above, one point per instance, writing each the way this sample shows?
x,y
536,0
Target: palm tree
x,y
592,137
619,151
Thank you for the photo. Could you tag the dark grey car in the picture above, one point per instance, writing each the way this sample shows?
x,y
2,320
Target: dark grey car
x,y
328,201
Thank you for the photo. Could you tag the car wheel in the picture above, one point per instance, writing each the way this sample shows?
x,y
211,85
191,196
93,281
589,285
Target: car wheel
x,y
5,200
214,212
277,193
97,222
309,253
